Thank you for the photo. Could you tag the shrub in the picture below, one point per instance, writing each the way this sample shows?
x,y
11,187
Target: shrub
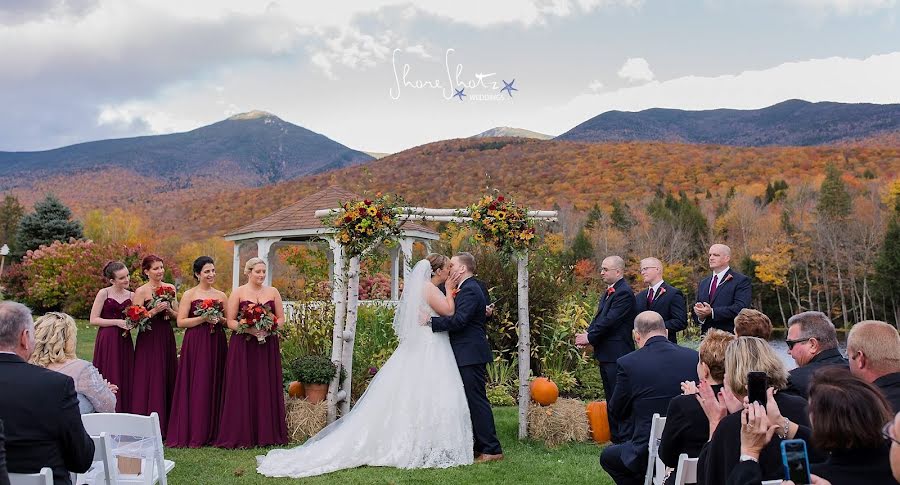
x,y
313,369
499,395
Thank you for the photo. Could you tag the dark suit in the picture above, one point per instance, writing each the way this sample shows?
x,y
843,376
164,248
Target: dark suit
x,y
722,453
468,338
732,295
799,378
4,476
687,429
647,379
610,335
890,386
668,302
42,422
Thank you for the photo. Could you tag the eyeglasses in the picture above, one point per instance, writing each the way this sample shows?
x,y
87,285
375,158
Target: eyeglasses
x,y
887,433
648,268
792,343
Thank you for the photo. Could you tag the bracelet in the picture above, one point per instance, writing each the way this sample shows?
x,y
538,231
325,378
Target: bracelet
x,y
786,428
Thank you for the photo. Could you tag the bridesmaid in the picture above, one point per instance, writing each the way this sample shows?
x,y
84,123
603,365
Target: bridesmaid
x,y
201,369
253,412
155,358
113,349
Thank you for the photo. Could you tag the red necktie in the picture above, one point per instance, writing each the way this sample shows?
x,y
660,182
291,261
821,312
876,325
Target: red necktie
x,y
712,287
650,297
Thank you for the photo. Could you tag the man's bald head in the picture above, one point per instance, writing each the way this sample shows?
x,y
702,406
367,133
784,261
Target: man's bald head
x,y
719,257
612,269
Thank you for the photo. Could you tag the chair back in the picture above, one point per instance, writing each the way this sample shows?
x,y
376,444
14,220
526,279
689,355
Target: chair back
x,y
124,424
686,471
656,431
43,477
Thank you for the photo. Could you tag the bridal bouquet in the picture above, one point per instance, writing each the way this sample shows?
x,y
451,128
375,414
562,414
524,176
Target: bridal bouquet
x,y
163,294
257,316
362,224
501,222
210,307
136,316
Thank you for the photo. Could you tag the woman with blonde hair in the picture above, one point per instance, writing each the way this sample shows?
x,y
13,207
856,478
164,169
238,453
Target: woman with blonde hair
x,y
54,348
253,410
723,452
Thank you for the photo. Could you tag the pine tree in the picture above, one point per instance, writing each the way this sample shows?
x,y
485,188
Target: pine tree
x,y
621,216
582,247
595,215
11,212
834,200
50,221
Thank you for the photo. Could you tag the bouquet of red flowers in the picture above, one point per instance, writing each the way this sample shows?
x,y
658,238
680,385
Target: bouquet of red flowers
x,y
257,316
210,307
163,294
137,317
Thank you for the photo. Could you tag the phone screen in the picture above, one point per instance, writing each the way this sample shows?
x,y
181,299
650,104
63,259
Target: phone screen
x,y
757,382
796,464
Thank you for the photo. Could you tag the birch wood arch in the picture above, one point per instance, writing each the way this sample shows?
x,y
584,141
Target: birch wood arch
x,y
346,288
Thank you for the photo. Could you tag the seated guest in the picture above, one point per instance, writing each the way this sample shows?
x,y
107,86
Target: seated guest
x,y
54,348
4,476
873,348
812,342
646,380
752,323
722,453
687,428
38,406
847,415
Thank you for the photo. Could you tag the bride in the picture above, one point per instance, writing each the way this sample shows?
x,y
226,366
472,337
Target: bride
x,y
414,412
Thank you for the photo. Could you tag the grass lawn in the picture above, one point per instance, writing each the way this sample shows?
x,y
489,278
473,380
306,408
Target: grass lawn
x,y
526,462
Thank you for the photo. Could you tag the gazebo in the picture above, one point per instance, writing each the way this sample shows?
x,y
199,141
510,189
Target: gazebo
x,y
297,224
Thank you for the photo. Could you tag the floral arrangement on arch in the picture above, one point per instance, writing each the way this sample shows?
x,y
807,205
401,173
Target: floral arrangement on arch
x,y
361,224
503,223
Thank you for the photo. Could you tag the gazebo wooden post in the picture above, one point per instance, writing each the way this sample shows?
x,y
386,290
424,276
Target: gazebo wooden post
x,y
236,266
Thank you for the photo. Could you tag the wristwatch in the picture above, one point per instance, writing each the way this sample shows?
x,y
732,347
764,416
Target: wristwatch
x,y
747,458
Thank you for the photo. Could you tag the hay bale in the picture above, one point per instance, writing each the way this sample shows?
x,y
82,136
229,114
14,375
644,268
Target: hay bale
x,y
561,422
304,419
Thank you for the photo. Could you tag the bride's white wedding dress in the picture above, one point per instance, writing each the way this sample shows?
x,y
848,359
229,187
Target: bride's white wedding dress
x,y
413,415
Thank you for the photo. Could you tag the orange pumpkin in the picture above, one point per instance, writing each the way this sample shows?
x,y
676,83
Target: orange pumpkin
x,y
295,389
544,391
597,418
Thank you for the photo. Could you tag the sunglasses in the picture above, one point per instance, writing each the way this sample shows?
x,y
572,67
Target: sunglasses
x,y
886,432
792,343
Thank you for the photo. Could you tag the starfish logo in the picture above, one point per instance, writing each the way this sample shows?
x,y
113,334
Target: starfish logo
x,y
459,94
508,87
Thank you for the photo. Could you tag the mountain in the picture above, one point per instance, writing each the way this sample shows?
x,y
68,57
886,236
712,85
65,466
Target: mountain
x,y
790,123
515,132
376,155
248,149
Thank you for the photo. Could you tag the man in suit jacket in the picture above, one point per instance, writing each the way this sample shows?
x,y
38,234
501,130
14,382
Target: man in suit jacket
x,y
610,332
812,342
662,298
4,476
721,296
647,379
873,348
468,338
38,406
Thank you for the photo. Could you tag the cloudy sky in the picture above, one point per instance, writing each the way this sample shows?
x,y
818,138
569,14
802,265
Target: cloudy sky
x,y
380,75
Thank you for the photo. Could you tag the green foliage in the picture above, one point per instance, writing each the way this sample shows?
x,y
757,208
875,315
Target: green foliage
x,y
887,266
11,213
775,192
681,213
587,374
834,200
621,216
502,372
594,217
564,379
313,369
50,221
581,247
499,395
308,330
375,342
66,276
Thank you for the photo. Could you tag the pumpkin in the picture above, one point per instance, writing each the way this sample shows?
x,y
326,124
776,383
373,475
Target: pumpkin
x,y
598,420
295,389
544,391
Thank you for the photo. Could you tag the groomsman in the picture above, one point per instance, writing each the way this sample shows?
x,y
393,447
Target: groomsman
x,y
662,298
610,331
721,296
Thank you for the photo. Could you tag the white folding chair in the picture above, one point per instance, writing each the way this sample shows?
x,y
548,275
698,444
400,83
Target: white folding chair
x,y
43,477
686,471
105,469
153,469
772,482
656,430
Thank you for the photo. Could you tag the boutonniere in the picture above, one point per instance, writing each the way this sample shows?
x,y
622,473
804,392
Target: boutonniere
x,y
727,279
662,290
454,292
610,291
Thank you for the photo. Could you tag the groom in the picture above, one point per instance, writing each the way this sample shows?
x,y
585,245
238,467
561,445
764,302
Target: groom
x,y
472,350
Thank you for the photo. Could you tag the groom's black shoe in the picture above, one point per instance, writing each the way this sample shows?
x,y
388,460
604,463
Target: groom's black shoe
x,y
485,458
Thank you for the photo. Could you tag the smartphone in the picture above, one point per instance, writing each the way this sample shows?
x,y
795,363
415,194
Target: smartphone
x,y
757,383
796,462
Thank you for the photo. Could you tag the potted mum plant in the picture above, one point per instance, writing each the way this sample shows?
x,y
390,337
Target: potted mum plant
x,y
315,372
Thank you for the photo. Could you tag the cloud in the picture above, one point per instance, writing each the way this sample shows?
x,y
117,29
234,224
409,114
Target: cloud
x,y
870,80
636,69
846,7
595,85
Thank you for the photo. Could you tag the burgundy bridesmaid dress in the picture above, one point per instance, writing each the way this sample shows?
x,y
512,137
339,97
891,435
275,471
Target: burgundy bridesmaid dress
x,y
253,410
197,402
155,364
114,353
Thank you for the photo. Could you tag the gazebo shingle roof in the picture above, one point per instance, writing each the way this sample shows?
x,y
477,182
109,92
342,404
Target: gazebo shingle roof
x,y
301,214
